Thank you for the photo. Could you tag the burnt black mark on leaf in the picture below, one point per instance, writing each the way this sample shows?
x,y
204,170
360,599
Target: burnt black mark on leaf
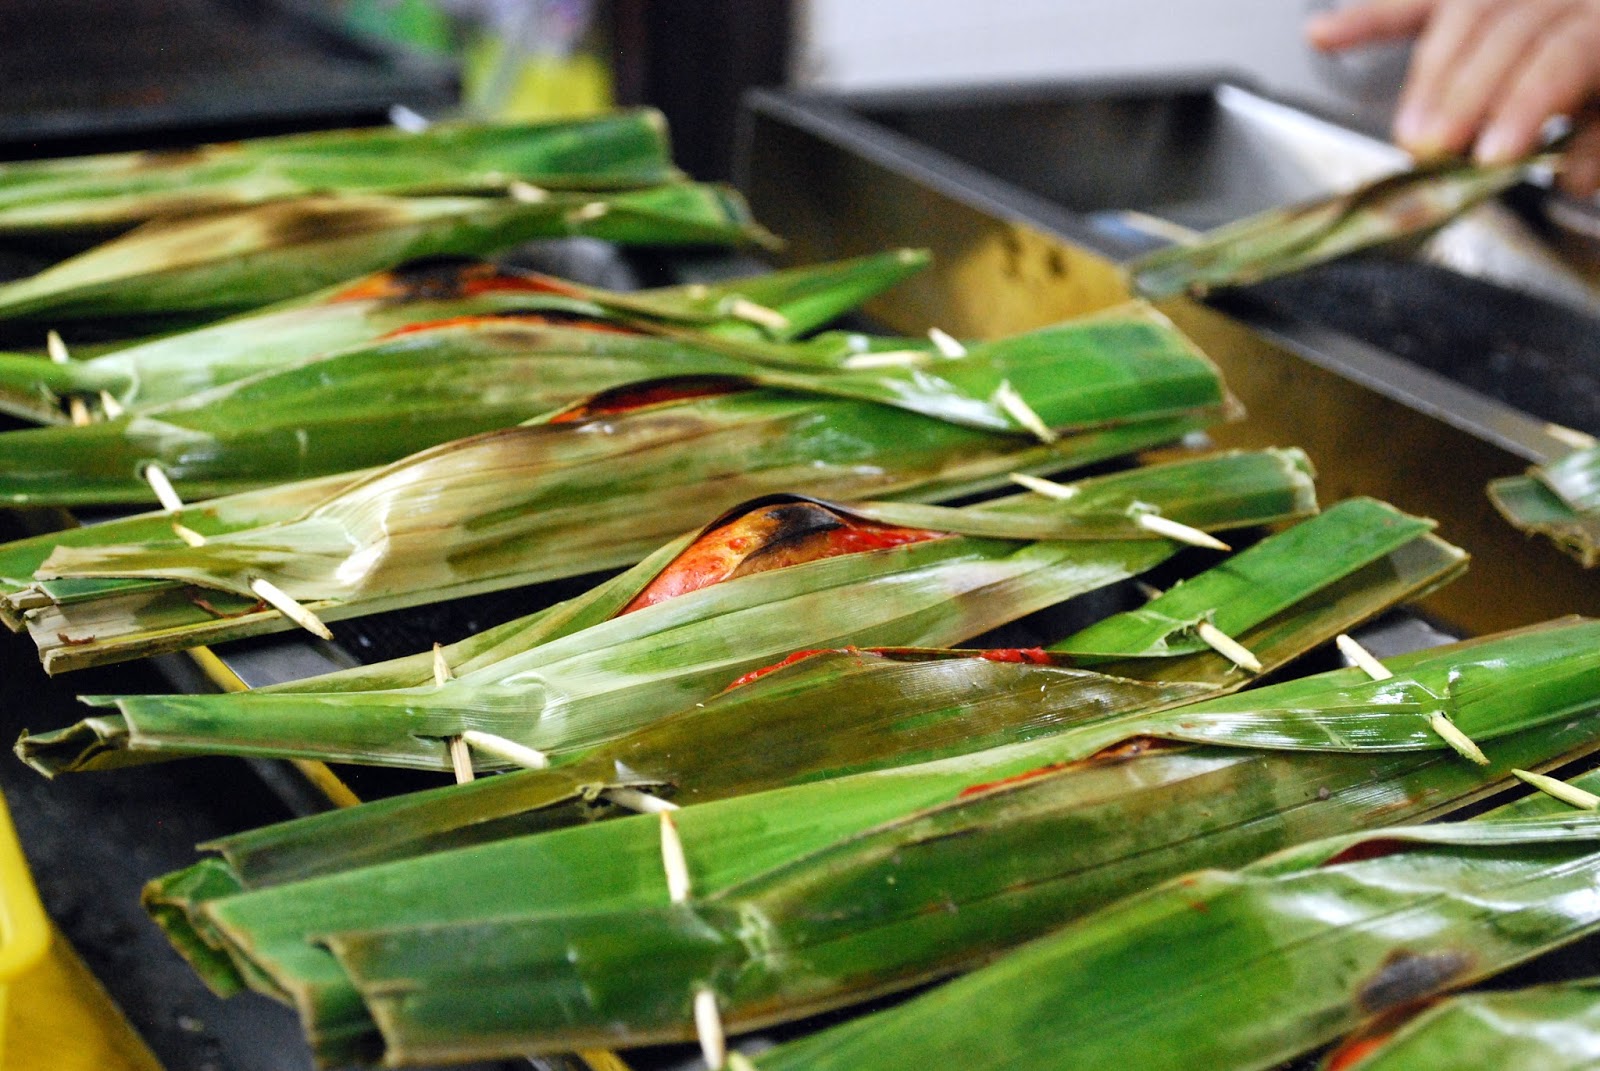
x,y
794,523
437,277
292,224
1406,976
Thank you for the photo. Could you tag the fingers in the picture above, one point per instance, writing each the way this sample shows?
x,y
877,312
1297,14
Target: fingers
x,y
1557,77
1580,165
1369,23
1470,57
1487,74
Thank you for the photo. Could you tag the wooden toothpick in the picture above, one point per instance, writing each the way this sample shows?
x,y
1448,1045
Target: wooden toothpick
x,y
1572,437
946,344
264,589
673,860
508,750
747,310
527,193
632,799
1228,647
56,348
187,534
461,760
1048,488
1362,658
460,753
166,494
1568,794
1459,741
1177,531
58,353
708,1024
886,359
285,604
1007,398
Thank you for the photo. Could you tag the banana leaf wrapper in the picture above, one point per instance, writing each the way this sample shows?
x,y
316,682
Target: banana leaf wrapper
x,y
1560,501
825,894
546,529
452,379
1283,241
632,650
569,497
169,368
237,259
844,712
1229,971
1547,1028
112,192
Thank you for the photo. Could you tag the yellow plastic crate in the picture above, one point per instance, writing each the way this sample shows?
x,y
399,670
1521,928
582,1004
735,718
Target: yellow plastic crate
x,y
24,929
54,1016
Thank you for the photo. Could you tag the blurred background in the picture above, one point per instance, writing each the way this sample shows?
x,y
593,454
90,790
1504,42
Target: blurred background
x,y
82,74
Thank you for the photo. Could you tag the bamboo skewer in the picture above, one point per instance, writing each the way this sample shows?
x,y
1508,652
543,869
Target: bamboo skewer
x,y
602,1060
1368,663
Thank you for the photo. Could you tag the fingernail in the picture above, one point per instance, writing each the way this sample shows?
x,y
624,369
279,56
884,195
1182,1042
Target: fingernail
x,y
1498,145
1410,125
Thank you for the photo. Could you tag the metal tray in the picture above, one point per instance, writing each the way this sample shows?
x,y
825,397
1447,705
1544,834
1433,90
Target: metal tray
x,y
1030,196
98,75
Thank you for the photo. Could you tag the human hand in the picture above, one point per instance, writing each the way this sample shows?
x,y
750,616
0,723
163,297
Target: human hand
x,y
1487,74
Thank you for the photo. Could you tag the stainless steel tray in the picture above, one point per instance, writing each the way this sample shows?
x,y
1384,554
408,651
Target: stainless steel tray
x,y
1030,196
